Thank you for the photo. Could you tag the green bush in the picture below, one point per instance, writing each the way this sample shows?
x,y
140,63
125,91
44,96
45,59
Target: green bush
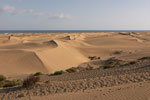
x,y
38,74
31,81
20,95
12,83
89,68
59,72
71,70
2,83
144,58
2,78
132,62
112,64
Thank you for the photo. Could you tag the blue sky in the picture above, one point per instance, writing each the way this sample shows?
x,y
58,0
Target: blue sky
x,y
74,14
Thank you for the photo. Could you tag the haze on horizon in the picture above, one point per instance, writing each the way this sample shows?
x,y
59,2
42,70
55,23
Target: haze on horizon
x,y
74,14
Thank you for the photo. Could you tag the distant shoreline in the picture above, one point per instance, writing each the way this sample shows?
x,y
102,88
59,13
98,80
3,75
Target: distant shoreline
x,y
66,31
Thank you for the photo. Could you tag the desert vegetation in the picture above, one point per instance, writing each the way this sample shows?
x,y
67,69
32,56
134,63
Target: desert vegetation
x,y
59,72
30,81
21,95
2,78
94,57
71,70
144,58
4,82
37,74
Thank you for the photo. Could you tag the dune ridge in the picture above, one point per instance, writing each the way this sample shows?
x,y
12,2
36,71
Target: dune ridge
x,y
70,50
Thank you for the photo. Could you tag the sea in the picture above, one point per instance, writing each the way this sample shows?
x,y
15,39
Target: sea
x,y
66,31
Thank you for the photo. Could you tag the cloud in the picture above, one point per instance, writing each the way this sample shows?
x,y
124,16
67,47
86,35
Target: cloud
x,y
60,16
7,9
13,11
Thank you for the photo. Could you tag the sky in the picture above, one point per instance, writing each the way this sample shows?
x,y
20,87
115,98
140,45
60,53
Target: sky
x,y
74,14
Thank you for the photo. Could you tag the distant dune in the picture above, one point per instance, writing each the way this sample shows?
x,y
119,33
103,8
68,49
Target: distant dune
x,y
29,53
106,66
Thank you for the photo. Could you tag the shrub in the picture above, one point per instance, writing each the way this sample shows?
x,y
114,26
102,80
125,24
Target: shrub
x,y
132,62
2,83
38,74
59,72
20,95
89,68
12,83
71,70
2,78
111,64
144,58
117,52
8,84
31,81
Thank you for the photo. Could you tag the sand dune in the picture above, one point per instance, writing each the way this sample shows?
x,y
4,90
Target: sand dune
x,y
65,55
17,62
54,48
23,54
51,43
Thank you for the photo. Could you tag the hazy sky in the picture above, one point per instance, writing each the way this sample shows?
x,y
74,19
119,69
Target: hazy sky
x,y
75,14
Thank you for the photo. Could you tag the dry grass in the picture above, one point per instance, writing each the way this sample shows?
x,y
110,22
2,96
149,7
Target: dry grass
x,y
31,81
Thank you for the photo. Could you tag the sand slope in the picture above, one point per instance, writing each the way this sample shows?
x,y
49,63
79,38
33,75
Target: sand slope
x,y
17,62
124,92
61,51
61,58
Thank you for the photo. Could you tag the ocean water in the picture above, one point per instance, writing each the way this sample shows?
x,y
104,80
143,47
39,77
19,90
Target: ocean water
x,y
66,31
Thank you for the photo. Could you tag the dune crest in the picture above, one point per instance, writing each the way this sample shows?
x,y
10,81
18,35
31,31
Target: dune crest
x,y
51,43
54,52
61,58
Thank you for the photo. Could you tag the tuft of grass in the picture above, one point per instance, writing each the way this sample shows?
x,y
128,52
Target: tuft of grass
x,y
2,78
132,62
89,68
2,83
112,64
38,74
59,72
144,58
31,81
21,95
12,83
71,70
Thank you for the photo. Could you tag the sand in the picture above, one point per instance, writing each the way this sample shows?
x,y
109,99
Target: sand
x,y
69,50
124,92
25,54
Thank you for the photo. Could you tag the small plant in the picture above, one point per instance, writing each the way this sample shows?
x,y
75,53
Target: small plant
x,y
59,72
117,52
31,81
89,68
144,58
2,78
132,62
2,83
38,74
12,83
20,95
71,70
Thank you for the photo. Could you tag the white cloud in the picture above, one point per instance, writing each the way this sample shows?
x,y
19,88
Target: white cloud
x,y
60,16
14,11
